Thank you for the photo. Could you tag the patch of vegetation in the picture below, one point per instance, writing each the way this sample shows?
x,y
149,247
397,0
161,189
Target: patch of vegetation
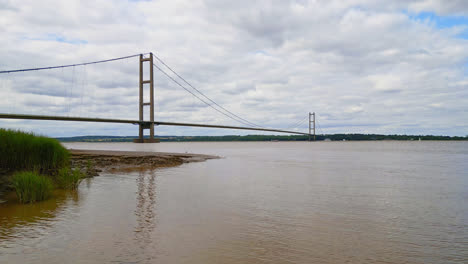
x,y
69,179
26,151
89,167
35,162
31,187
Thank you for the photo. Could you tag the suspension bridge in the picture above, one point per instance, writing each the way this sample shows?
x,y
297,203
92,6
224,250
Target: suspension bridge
x,y
147,64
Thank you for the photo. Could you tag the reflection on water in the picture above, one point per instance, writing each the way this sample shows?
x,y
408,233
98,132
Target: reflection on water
x,y
145,218
365,202
145,207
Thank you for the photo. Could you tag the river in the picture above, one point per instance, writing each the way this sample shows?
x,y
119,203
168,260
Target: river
x,y
262,202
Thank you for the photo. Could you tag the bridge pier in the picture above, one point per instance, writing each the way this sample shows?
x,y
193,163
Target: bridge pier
x,y
144,124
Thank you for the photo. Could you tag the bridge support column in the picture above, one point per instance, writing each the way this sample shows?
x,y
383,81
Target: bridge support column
x,y
314,124
146,124
311,121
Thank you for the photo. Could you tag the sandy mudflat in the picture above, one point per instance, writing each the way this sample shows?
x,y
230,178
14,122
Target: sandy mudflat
x,y
112,161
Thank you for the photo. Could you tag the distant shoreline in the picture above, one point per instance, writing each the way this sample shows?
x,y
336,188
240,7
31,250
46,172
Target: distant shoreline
x,y
235,138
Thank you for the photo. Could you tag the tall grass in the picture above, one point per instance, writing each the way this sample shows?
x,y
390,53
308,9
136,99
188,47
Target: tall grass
x,y
69,179
26,151
31,187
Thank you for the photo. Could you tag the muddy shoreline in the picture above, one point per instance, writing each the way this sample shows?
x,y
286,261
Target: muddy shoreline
x,y
93,162
96,161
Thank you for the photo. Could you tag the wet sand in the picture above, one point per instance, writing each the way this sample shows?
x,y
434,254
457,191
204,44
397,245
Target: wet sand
x,y
95,161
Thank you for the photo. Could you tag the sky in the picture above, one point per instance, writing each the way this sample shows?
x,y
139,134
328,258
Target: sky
x,y
363,66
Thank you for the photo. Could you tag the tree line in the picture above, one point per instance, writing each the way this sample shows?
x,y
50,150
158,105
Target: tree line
x,y
326,137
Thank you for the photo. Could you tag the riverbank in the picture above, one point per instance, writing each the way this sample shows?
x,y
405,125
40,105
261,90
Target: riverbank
x,y
95,161
92,162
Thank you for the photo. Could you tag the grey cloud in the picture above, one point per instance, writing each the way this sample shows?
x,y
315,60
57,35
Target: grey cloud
x,y
240,87
458,7
7,5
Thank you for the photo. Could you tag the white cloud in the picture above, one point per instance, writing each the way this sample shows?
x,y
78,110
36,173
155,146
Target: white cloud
x,y
361,65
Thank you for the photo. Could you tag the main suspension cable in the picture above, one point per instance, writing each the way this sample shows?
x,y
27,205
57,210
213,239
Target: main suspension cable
x,y
296,123
209,99
70,65
178,83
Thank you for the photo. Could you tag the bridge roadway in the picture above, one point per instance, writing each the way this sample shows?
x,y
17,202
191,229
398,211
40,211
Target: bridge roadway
x,y
137,122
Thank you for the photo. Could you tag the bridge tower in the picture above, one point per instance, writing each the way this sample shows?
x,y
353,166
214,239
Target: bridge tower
x,y
146,124
311,121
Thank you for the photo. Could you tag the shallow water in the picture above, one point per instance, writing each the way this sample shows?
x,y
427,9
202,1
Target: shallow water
x,y
263,202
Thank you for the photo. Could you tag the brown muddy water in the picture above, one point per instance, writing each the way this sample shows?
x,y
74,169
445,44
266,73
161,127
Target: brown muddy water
x,y
269,202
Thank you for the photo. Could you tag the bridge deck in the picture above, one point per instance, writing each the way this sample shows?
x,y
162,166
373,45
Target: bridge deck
x,y
137,122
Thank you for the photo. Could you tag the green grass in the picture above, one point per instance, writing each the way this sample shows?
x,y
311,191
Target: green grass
x,y
26,151
31,187
68,179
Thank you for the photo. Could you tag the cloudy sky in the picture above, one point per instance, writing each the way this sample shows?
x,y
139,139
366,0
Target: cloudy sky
x,y
364,66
